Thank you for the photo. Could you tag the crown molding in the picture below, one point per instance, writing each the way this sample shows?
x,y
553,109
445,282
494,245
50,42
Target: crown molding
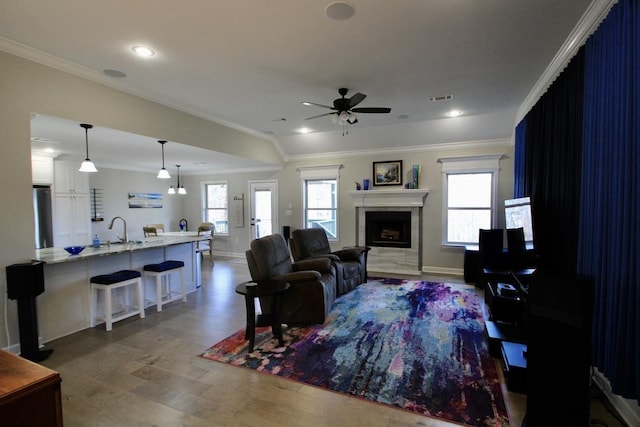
x,y
493,143
589,22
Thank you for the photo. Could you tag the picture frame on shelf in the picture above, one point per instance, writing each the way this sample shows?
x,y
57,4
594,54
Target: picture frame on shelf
x,y
387,173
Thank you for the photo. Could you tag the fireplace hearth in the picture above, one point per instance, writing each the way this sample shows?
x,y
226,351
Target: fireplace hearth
x,y
391,229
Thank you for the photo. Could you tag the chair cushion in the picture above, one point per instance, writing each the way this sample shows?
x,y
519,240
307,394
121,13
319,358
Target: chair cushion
x,y
274,258
164,266
309,242
117,277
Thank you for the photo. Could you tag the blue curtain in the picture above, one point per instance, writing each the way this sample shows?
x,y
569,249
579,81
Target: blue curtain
x,y
518,162
547,157
609,226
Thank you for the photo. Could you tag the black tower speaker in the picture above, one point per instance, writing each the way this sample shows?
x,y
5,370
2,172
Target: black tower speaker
x,y
24,283
559,351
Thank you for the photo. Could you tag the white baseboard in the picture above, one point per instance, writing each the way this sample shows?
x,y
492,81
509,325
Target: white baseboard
x,y
628,409
443,271
229,254
13,348
373,270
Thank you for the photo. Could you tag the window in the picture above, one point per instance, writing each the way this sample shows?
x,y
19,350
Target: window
x,y
320,195
321,205
216,206
470,197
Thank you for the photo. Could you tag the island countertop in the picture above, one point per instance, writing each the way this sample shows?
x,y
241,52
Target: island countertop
x,y
58,255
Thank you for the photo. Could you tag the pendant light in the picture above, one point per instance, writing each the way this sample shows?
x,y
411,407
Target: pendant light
x,y
181,189
163,173
87,165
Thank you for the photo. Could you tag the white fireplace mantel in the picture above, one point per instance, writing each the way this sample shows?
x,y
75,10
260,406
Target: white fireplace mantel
x,y
389,198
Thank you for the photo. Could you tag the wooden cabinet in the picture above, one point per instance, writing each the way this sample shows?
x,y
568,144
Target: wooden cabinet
x,y
71,207
29,393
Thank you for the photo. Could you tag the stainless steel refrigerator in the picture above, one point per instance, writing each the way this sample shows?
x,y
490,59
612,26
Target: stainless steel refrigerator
x,y
43,217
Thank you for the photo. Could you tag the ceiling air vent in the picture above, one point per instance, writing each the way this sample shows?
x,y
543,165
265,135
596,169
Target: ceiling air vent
x,y
441,98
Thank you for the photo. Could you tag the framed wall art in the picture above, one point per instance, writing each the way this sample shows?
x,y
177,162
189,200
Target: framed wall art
x,y
387,173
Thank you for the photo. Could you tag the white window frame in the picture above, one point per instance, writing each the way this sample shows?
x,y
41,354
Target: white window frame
x,y
203,192
489,163
317,173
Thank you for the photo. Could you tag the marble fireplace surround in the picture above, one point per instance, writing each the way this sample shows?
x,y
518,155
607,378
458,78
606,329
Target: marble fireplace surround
x,y
386,259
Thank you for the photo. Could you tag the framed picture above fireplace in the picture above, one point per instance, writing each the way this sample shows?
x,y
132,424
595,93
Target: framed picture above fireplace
x,y
387,173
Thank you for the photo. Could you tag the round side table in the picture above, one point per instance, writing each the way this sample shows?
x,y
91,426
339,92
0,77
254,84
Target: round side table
x,y
252,290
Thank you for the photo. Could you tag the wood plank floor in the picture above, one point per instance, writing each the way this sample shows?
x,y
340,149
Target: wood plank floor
x,y
146,372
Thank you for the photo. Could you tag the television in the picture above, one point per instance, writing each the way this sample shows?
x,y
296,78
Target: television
x,y
517,213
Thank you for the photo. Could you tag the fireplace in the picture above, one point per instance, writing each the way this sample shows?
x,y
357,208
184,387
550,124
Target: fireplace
x,y
390,229
399,213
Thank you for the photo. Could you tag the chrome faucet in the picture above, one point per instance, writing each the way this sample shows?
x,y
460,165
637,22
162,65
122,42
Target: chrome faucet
x,y
126,238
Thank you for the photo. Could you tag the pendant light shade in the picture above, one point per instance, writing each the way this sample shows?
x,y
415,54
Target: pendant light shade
x,y
179,188
163,173
87,165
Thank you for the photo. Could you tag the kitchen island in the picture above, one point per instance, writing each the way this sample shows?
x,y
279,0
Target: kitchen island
x,y
64,307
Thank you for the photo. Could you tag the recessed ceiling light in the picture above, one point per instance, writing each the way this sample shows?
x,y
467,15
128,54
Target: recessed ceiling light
x,y
454,113
142,51
340,10
304,130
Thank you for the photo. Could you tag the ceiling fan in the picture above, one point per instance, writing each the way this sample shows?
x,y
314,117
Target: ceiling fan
x,y
343,108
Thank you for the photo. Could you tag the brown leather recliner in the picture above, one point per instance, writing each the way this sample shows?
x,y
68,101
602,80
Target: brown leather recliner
x,y
312,282
350,263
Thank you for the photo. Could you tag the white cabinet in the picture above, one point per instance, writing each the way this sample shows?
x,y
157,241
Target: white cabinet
x,y
71,207
41,170
67,178
71,220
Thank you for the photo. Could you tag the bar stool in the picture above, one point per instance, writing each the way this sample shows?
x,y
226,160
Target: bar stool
x,y
162,273
110,282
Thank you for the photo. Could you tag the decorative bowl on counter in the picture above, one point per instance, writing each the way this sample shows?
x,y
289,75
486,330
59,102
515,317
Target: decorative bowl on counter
x,y
74,250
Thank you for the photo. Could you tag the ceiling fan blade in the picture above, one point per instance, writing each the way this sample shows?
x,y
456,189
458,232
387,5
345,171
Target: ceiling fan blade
x,y
317,105
371,110
356,99
320,115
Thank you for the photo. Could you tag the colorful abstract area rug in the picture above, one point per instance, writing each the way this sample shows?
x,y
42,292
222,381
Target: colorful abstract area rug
x,y
415,345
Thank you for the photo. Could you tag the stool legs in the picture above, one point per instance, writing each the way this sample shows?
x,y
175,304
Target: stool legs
x,y
164,278
183,286
108,314
108,301
159,279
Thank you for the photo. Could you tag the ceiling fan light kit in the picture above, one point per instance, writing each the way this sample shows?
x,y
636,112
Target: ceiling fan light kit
x,y
344,109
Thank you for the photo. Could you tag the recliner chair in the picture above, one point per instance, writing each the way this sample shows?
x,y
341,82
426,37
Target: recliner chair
x,y
312,282
350,263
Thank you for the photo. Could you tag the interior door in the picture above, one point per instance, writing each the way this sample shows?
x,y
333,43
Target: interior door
x,y
263,208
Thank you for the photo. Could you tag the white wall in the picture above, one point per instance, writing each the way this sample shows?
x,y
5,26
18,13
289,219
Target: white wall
x,y
115,186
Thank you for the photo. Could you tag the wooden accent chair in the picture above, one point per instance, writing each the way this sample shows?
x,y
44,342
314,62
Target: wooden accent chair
x,y
158,227
206,229
149,231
